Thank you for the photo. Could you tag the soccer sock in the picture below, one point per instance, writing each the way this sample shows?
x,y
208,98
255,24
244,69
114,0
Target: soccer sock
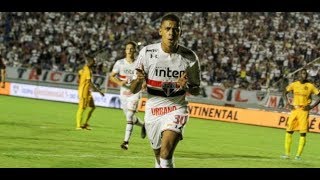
x,y
156,164
89,113
79,117
302,142
173,164
128,132
166,163
137,121
287,145
131,117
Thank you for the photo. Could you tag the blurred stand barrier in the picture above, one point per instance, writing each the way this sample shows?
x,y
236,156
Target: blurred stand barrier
x,y
59,94
6,90
217,95
231,105
48,78
242,115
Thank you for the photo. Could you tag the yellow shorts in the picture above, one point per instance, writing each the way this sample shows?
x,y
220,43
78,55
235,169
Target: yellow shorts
x,y
86,102
298,121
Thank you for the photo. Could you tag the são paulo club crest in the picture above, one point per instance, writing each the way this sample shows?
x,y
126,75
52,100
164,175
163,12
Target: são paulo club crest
x,y
169,87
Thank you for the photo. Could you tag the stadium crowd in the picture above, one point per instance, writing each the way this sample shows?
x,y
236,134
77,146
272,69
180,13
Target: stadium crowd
x,y
250,50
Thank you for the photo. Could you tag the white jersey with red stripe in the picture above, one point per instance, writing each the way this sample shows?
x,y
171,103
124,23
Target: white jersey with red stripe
x,y
162,71
125,71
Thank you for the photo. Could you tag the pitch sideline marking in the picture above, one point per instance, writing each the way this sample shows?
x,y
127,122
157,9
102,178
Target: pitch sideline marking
x,y
145,157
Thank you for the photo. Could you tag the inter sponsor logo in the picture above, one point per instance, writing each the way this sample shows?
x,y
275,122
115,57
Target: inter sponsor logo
x,y
162,110
167,72
128,71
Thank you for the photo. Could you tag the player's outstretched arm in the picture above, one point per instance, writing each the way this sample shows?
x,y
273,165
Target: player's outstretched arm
x,y
136,83
95,88
3,78
193,77
114,79
182,82
314,104
285,96
194,90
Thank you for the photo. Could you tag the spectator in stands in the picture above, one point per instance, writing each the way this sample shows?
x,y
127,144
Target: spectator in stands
x,y
276,42
300,107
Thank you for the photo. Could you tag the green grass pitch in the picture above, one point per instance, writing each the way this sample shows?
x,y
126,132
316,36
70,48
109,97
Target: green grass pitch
x,y
41,134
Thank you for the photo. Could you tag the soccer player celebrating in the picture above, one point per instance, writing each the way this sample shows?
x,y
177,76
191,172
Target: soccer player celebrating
x,y
84,94
170,70
300,107
122,74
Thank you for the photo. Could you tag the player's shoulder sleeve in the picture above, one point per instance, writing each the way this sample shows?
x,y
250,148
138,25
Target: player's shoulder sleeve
x,y
291,86
188,53
116,66
193,70
141,60
80,72
314,89
86,72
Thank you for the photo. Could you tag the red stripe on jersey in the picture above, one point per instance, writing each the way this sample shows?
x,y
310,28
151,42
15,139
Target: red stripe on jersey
x,y
154,83
122,76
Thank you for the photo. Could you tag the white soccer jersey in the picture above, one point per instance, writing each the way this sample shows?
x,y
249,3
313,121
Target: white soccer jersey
x,y
125,71
162,72
166,107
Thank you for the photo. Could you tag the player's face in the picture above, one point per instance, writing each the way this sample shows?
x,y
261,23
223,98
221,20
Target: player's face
x,y
91,63
303,75
130,50
170,32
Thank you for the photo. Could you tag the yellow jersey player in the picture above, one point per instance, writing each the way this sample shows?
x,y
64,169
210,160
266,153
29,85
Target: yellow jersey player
x,y
84,94
300,107
3,74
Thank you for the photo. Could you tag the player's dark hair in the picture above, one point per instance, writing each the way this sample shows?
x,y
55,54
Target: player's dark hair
x,y
307,74
304,69
171,17
133,43
89,59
